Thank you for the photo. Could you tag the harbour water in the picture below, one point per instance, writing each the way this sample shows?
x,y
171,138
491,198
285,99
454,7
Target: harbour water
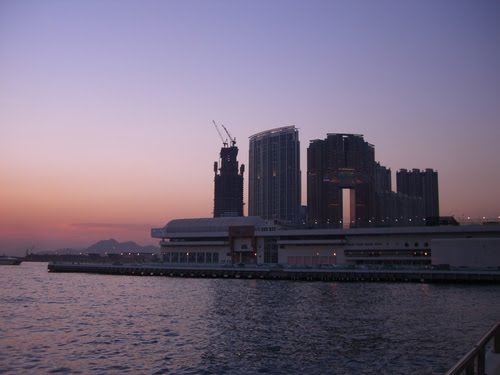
x,y
104,324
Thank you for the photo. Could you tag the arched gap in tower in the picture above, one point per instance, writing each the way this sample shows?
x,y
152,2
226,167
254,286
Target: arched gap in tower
x,y
348,208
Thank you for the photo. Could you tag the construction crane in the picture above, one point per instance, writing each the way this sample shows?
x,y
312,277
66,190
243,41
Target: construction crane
x,y
224,141
233,140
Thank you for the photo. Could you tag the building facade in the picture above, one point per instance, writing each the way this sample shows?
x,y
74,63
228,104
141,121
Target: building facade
x,y
274,189
345,163
254,241
339,162
228,181
423,185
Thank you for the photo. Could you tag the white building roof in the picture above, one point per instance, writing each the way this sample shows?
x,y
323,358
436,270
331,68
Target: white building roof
x,y
211,224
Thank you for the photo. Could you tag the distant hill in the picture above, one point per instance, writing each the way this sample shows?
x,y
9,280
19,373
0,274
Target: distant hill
x,y
113,246
108,246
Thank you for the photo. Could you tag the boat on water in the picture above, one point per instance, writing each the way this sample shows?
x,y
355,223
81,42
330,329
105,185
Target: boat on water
x,y
9,261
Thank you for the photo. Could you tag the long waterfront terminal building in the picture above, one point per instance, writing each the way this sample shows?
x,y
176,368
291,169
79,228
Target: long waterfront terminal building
x,y
255,241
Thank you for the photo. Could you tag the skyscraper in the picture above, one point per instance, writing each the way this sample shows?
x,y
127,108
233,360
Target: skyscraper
x,y
383,179
228,196
274,175
339,162
421,184
430,192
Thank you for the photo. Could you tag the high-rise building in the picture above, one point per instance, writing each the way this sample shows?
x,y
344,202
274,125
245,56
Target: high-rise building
x,y
383,180
431,193
344,182
337,163
228,196
421,184
274,175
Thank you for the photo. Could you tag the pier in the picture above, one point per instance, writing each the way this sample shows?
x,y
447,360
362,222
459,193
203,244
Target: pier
x,y
275,273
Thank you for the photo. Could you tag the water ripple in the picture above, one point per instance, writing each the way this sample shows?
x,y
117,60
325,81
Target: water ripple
x,y
80,324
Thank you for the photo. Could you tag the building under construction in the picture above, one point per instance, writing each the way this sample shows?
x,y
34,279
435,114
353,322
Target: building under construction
x,y
228,192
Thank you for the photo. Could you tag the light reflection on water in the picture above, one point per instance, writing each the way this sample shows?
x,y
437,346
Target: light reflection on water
x,y
80,323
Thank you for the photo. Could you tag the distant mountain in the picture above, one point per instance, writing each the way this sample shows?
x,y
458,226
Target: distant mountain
x,y
107,246
113,246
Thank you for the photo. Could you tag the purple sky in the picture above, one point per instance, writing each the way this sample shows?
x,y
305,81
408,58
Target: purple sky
x,y
106,107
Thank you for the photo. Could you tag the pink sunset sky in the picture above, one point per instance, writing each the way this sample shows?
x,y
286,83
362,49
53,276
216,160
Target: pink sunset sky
x,y
106,107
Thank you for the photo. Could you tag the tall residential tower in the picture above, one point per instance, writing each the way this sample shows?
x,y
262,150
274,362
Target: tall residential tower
x,y
421,184
346,187
338,163
274,175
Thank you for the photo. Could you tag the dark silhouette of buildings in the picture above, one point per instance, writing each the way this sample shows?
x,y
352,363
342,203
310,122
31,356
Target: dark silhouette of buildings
x,y
383,179
341,171
347,162
274,175
228,196
422,184
341,161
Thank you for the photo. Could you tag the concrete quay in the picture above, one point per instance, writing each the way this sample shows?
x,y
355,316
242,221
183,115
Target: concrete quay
x,y
274,273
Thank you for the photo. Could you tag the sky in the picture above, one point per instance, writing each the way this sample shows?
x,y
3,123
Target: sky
x,y
106,107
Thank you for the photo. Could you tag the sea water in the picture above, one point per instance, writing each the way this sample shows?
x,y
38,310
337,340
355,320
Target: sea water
x,y
102,324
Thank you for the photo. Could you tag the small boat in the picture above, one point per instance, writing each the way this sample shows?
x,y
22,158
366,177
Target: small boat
x,y
9,261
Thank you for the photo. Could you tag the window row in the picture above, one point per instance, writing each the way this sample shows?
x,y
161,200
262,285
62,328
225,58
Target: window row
x,y
190,257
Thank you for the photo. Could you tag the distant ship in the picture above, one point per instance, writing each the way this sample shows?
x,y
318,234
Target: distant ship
x,y
9,261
